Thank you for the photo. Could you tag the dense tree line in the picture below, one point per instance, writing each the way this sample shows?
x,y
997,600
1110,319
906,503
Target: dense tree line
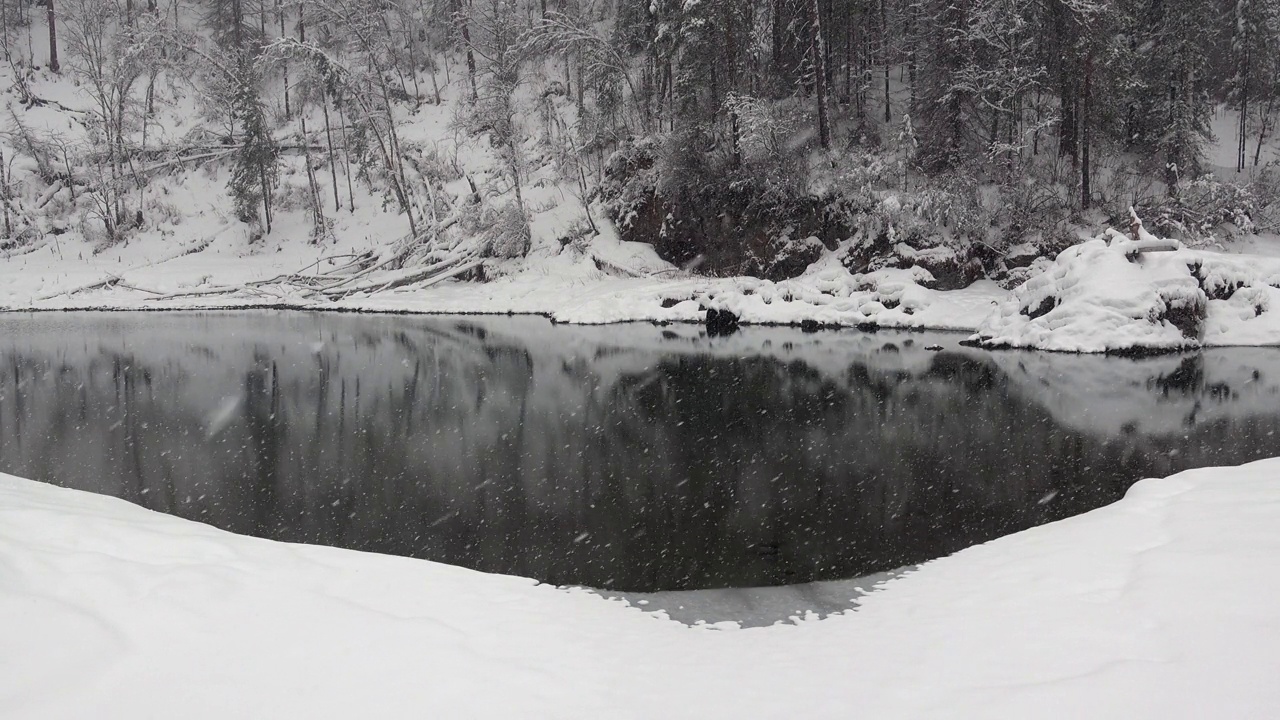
x,y
719,89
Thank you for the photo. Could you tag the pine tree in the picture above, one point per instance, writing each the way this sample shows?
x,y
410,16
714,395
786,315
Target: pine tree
x,y
256,163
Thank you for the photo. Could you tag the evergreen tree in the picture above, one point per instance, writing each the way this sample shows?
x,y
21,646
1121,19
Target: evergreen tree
x,y
256,161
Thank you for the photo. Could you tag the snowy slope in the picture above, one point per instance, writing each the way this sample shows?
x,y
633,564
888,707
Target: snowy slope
x,y
1158,607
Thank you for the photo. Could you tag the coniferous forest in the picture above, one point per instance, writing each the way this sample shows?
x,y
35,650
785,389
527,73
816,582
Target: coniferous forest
x,y
728,134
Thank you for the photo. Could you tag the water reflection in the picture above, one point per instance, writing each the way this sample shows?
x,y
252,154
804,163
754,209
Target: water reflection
x,y
632,457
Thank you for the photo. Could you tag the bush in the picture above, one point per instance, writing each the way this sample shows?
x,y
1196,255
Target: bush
x,y
1200,210
507,234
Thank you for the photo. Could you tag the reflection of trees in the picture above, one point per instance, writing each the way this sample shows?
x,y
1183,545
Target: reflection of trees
x,y
445,441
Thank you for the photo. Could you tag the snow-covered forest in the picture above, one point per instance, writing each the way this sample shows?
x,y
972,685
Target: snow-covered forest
x,y
728,134
1044,237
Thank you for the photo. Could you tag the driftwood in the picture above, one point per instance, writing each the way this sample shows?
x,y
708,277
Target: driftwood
x,y
408,277
452,273
224,290
607,267
101,284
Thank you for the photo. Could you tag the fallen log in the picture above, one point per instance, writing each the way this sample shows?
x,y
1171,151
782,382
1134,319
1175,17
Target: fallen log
x,y
101,284
408,277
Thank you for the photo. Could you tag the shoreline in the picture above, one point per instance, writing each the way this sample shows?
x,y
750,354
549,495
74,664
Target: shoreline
x,y
806,326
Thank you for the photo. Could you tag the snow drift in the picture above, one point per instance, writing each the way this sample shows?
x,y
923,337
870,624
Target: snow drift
x,y
1161,606
1110,294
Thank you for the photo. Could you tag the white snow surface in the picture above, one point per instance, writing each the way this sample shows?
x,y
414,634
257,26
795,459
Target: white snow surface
x,y
1098,299
1093,298
612,281
1160,606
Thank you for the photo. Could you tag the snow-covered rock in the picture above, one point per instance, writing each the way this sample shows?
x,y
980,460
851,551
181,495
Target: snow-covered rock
x,y
1113,294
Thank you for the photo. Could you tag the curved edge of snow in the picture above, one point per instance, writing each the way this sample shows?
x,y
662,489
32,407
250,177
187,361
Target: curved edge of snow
x,y
1160,606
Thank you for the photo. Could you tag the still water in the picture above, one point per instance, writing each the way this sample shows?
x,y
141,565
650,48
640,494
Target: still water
x,y
632,458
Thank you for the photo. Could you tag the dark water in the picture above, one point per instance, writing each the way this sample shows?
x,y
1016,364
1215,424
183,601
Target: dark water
x,y
630,457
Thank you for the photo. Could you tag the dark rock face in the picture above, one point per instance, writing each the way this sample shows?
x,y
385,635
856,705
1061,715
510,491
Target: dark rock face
x,y
1021,256
721,322
1188,317
792,257
1045,307
734,226
730,234
951,271
951,268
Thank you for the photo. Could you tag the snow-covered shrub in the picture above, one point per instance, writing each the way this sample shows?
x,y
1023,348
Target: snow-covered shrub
x,y
765,127
507,233
162,212
1034,210
576,239
954,205
21,239
630,179
289,196
1202,209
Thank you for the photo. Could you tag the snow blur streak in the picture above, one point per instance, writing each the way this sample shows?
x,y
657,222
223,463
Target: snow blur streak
x,y
223,416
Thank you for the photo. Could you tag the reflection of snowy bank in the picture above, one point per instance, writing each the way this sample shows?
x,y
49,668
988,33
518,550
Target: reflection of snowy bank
x,y
111,611
1164,395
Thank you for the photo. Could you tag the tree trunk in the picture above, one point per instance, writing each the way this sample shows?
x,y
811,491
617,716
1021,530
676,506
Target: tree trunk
x,y
911,58
4,185
317,207
1242,151
1262,131
333,161
266,197
884,58
471,56
820,77
53,43
346,158
1086,134
284,64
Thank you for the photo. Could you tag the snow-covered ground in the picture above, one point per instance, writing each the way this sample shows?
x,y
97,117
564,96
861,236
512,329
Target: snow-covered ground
x,y
1161,606
1104,295
191,243
1094,297
612,281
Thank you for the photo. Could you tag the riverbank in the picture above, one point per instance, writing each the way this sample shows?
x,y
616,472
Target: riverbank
x,y
1156,607
1095,297
612,282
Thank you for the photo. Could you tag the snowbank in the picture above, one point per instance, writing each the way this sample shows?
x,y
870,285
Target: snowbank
x,y
612,281
1104,295
1092,298
1161,606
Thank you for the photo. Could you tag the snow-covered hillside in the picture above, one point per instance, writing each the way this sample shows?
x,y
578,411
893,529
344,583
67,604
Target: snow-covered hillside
x,y
470,159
